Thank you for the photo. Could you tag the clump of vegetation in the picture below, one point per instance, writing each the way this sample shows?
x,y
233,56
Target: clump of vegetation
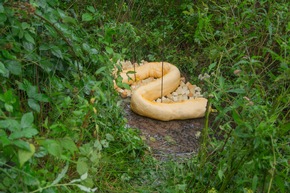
x,y
61,126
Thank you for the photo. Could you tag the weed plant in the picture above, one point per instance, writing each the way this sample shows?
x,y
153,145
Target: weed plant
x,y
61,125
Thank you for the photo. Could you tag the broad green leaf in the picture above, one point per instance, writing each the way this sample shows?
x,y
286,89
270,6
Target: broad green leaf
x,y
109,50
30,180
221,82
105,143
95,157
254,183
236,117
41,152
1,8
87,17
14,67
49,190
280,181
29,38
89,182
8,97
41,97
29,47
98,145
3,70
78,113
27,120
82,167
67,19
31,90
84,176
211,66
22,144
3,17
46,65
57,52
109,137
44,47
8,107
34,105
25,25
54,148
237,90
16,135
8,55
86,47
67,143
91,9
220,174
10,124
29,132
4,138
24,156
60,175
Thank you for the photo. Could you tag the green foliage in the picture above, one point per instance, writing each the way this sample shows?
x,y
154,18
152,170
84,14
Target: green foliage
x,y
61,127
60,119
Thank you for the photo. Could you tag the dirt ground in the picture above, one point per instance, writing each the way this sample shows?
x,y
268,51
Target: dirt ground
x,y
171,139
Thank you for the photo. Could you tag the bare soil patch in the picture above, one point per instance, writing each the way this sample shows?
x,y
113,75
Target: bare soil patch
x,y
170,139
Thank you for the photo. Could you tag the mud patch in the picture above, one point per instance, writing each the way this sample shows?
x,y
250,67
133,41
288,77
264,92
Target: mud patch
x,y
171,139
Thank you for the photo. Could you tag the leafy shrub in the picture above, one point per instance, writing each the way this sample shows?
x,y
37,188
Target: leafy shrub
x,y
59,118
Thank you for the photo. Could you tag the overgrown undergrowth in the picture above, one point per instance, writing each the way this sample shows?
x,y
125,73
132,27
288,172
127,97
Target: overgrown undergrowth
x,y
61,126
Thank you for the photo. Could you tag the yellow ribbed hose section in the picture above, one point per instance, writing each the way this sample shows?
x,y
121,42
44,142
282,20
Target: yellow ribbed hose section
x,y
142,101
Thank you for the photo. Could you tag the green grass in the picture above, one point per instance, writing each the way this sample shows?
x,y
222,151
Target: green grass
x,y
57,96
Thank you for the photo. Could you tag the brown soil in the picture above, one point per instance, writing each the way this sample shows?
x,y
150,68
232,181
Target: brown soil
x,y
171,139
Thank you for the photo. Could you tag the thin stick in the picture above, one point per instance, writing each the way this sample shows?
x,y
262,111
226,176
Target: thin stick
x,y
135,79
162,55
162,81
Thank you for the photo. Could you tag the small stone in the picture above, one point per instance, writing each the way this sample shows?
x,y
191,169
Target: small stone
x,y
129,93
174,93
167,101
158,100
169,139
190,86
180,98
169,96
237,72
175,98
152,139
124,94
179,90
184,97
197,134
197,89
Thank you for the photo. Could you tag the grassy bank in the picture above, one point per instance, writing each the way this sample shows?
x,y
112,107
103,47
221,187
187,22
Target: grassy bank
x,y
61,126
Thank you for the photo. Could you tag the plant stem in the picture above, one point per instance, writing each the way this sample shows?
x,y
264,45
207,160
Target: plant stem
x,y
273,166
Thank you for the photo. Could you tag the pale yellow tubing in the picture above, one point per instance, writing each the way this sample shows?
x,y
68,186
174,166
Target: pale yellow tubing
x,y
143,97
